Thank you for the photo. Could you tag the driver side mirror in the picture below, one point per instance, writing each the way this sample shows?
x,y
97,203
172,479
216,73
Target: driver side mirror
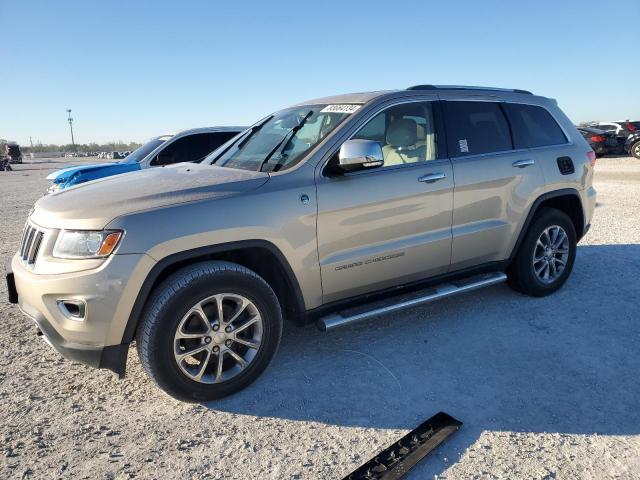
x,y
360,155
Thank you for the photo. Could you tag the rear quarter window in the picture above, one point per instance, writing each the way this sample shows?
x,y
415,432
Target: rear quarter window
x,y
475,128
533,126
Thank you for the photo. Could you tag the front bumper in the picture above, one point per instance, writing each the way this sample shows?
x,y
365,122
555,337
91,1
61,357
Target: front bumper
x,y
112,358
108,292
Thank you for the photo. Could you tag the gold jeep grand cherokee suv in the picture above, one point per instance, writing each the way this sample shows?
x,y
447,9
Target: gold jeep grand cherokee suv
x,y
318,206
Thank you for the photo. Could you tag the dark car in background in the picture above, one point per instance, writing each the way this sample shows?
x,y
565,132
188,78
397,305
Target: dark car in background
x,y
622,129
186,146
632,142
600,141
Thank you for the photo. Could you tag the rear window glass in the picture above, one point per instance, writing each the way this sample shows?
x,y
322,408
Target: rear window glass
x,y
533,126
475,128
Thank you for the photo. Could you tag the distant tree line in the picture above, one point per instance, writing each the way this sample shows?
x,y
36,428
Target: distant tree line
x,y
116,146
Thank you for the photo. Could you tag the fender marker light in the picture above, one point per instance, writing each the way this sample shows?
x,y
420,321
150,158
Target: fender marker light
x,y
109,244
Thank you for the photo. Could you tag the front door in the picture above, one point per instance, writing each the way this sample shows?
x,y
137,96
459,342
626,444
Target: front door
x,y
391,225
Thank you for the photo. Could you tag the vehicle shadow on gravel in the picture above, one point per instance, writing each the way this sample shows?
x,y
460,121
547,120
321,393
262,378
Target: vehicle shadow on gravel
x,y
494,359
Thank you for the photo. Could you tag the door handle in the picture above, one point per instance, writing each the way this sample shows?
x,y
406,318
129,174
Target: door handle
x,y
523,163
432,177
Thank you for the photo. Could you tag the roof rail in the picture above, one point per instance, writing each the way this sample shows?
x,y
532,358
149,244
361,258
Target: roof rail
x,y
466,87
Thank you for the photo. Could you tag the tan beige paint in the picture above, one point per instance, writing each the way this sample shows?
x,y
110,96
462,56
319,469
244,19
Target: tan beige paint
x,y
398,228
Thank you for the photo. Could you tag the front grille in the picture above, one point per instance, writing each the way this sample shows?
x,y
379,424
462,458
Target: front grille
x,y
31,243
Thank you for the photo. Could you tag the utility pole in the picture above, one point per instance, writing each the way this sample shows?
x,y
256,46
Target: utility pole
x,y
70,120
31,141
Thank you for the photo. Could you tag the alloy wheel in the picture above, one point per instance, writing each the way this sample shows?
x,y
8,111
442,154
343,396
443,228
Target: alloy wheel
x,y
551,254
218,338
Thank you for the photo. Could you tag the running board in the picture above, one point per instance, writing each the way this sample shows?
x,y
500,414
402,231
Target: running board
x,y
382,307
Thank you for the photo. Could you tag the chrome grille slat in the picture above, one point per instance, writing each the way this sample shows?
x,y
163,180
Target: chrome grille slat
x,y
23,236
25,232
27,243
32,240
35,247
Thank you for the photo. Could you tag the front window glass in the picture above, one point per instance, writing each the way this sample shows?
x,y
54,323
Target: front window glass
x,y
406,133
141,152
281,140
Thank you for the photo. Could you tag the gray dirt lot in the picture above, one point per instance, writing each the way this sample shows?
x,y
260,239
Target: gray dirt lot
x,y
547,388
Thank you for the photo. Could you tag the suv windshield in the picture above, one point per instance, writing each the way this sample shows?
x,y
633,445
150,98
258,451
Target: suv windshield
x,y
282,139
140,153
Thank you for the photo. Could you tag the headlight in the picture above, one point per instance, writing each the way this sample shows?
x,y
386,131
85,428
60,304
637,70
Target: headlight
x,y
86,244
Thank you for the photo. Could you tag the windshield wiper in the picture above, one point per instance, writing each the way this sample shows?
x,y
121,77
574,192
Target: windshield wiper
x,y
248,134
252,131
290,134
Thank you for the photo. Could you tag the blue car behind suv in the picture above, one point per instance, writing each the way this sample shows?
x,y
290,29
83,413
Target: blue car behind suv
x,y
187,146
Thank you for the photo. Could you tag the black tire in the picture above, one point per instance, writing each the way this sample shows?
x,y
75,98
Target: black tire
x,y
170,302
521,274
634,150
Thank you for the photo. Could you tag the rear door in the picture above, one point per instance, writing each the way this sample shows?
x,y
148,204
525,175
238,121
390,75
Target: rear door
x,y
534,127
390,225
494,182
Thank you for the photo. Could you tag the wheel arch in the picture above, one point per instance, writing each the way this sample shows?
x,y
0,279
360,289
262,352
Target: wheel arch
x,y
632,140
566,200
261,256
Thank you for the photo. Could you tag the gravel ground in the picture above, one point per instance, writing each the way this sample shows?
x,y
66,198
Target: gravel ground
x,y
546,388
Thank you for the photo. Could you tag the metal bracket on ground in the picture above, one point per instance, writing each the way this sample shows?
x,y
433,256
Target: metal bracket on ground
x,y
397,459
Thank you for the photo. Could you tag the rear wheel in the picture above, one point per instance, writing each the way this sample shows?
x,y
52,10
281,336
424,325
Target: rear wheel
x,y
635,149
545,259
209,330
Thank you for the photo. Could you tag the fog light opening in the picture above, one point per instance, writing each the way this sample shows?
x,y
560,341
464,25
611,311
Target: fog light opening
x,y
73,309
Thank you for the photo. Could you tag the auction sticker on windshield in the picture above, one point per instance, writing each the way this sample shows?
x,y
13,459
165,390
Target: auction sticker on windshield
x,y
346,108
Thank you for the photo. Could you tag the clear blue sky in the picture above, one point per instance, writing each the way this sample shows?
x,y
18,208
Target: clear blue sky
x,y
131,69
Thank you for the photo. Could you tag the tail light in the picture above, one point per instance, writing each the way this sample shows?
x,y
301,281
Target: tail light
x,y
591,155
598,138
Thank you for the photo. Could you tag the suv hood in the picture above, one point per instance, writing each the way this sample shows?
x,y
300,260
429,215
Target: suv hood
x,y
94,204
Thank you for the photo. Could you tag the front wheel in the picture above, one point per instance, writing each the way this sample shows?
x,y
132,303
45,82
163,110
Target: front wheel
x,y
635,149
545,259
209,330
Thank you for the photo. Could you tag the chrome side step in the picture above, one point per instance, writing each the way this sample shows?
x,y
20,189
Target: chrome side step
x,y
364,312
